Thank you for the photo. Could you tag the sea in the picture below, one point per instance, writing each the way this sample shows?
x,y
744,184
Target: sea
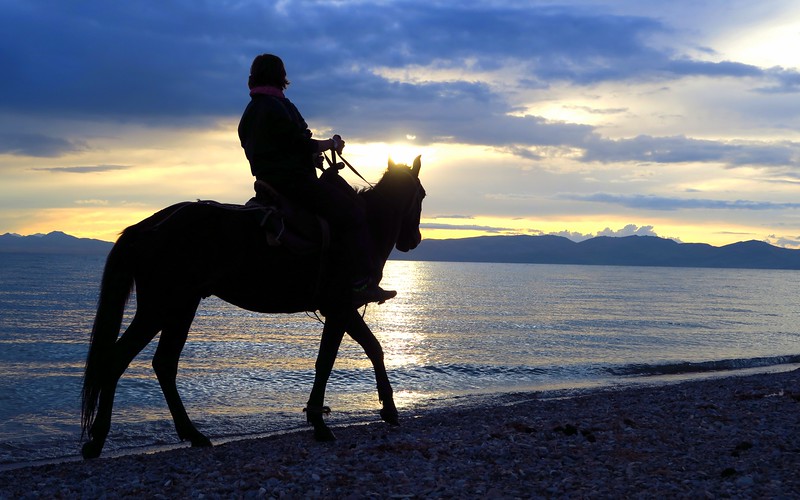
x,y
454,329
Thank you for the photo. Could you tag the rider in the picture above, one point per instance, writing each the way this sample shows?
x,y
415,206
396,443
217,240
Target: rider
x,y
281,152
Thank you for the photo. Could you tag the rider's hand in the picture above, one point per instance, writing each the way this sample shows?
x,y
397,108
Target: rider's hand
x,y
338,143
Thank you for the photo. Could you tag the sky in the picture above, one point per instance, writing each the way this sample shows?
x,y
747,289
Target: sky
x,y
677,119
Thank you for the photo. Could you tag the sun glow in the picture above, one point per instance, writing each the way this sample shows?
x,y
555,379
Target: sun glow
x,y
773,44
371,159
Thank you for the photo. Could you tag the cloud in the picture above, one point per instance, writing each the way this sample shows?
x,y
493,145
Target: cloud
x,y
185,64
465,227
681,149
784,241
571,235
628,230
649,202
37,145
88,169
598,111
784,81
100,203
688,67
122,61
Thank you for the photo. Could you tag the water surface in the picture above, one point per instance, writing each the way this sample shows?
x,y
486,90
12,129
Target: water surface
x,y
454,328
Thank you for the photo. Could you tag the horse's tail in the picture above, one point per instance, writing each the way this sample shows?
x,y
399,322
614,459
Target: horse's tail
x,y
117,283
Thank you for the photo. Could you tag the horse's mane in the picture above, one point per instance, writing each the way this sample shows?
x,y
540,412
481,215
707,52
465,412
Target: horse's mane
x,y
392,178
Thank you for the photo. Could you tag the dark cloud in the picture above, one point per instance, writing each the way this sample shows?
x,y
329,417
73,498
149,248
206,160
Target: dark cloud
x,y
680,149
784,82
457,114
688,67
553,42
133,61
185,63
38,145
175,60
647,202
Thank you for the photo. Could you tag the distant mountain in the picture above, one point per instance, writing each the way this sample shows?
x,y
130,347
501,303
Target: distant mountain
x,y
603,250
53,243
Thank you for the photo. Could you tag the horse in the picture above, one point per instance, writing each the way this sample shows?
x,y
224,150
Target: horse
x,y
191,250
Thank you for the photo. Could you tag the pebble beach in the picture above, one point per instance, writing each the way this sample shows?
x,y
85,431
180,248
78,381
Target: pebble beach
x,y
731,437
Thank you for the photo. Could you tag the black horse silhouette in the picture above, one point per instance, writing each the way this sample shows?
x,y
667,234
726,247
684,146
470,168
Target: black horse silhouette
x,y
193,250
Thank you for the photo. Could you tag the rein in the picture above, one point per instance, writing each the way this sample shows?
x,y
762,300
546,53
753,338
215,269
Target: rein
x,y
338,166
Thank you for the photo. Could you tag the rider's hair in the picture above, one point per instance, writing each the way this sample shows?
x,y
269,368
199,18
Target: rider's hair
x,y
267,69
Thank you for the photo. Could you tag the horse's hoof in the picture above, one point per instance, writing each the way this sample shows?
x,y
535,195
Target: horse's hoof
x,y
323,434
314,416
390,416
91,450
200,441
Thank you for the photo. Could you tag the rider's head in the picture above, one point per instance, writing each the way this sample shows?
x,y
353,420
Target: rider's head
x,y
267,69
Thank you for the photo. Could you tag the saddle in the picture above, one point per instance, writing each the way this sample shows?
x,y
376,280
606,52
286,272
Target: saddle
x,y
287,225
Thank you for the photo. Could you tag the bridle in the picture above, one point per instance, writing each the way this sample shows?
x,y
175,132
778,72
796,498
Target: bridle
x,y
339,166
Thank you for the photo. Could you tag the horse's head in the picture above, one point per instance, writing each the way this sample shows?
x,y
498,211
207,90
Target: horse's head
x,y
409,236
398,196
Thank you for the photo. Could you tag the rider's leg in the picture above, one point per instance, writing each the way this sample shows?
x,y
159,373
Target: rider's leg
x,y
344,211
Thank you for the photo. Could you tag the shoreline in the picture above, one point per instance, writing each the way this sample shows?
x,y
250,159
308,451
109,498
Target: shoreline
x,y
732,436
365,414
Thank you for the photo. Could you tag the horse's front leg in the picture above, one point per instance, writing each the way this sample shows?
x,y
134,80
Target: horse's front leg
x,y
332,335
360,332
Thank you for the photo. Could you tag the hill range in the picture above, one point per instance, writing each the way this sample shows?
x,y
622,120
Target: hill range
x,y
53,243
602,250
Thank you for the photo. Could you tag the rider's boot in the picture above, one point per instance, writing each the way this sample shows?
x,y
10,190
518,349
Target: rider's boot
x,y
368,291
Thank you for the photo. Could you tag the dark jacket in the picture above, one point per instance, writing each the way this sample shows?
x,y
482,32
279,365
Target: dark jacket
x,y
276,140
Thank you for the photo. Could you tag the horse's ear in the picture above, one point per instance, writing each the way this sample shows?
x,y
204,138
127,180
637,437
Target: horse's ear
x,y
391,163
417,166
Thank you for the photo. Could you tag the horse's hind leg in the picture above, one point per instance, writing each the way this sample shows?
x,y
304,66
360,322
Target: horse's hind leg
x,y
165,364
138,334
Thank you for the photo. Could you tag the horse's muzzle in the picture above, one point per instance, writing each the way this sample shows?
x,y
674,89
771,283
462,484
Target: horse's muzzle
x,y
406,246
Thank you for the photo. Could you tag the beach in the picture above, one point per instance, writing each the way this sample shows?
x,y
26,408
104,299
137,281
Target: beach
x,y
730,437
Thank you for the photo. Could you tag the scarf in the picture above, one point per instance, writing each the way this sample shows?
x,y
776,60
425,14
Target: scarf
x,y
267,90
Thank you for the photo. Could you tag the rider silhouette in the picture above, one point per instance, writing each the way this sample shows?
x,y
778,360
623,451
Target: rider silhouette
x,y
282,153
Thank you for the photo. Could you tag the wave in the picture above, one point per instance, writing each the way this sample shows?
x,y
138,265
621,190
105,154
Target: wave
x,y
686,367
457,376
